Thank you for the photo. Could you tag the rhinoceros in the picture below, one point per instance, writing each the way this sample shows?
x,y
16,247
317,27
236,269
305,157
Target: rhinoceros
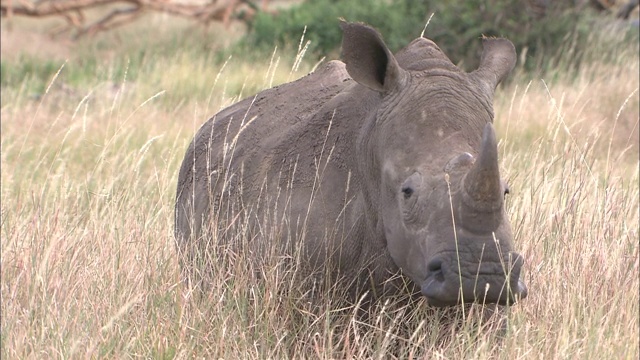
x,y
376,166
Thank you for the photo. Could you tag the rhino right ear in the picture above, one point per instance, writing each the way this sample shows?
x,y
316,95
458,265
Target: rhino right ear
x,y
497,61
368,60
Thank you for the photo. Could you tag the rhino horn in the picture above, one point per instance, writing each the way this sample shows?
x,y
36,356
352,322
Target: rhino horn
x,y
482,190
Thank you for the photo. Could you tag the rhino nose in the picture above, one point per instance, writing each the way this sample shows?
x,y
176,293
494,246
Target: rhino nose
x,y
444,285
517,289
435,269
439,290
516,292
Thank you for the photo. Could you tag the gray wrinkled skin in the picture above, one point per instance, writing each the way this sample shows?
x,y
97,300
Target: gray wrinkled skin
x,y
381,164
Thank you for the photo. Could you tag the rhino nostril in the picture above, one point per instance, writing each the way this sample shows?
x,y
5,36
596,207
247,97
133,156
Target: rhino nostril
x,y
435,265
435,269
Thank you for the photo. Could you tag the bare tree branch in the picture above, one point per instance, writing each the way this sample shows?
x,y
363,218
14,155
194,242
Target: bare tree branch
x,y
125,11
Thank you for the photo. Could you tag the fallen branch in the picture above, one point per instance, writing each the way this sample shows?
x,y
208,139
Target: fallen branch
x,y
127,11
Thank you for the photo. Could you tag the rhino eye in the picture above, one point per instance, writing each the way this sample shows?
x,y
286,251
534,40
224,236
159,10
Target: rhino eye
x,y
411,185
506,190
407,191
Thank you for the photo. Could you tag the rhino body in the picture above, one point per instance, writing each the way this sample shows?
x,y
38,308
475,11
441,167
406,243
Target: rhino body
x,y
382,165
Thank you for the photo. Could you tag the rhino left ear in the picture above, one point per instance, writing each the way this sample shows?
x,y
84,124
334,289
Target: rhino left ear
x,y
368,59
497,61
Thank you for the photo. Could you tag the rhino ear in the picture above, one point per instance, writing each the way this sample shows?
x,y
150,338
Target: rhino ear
x,y
497,61
368,60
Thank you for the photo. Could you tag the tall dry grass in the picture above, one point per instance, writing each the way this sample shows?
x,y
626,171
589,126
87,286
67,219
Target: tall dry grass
x,y
89,268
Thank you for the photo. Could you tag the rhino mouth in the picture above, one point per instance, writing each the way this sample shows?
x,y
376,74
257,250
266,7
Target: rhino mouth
x,y
444,286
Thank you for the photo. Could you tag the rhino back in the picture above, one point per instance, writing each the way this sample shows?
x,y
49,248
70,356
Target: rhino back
x,y
253,147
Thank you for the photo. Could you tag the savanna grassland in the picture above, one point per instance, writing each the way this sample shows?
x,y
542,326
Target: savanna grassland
x,y
93,134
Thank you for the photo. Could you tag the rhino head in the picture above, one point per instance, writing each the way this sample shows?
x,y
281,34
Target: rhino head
x,y
430,164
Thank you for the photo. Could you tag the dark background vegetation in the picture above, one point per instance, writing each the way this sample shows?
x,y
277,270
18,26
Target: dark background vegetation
x,y
456,25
